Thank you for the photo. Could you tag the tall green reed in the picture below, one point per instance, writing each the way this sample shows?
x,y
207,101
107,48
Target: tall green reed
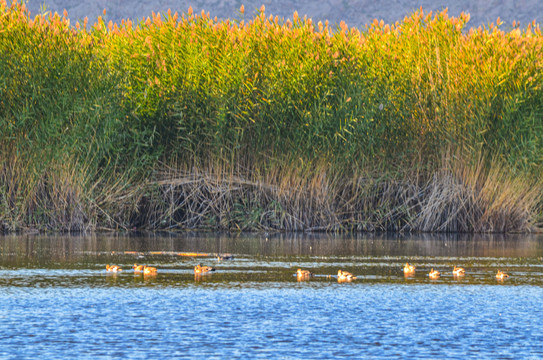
x,y
109,106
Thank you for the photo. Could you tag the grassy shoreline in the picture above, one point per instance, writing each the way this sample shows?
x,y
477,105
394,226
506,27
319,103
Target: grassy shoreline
x,y
184,122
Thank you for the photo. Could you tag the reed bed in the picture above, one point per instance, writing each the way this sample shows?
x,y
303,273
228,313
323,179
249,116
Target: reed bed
x,y
180,121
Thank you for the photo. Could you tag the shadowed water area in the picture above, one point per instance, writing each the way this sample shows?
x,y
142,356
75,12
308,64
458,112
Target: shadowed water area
x,y
58,301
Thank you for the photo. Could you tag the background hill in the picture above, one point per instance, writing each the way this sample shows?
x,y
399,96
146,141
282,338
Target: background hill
x,y
353,12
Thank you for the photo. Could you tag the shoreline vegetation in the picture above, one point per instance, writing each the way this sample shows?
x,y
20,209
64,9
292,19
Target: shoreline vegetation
x,y
181,122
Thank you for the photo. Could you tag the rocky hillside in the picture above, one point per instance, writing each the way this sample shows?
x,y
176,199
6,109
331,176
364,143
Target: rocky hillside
x,y
353,12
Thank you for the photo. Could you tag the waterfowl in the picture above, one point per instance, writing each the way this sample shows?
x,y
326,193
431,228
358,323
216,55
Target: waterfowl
x,y
434,274
199,269
458,271
303,273
408,269
113,268
224,257
501,275
148,270
344,275
138,268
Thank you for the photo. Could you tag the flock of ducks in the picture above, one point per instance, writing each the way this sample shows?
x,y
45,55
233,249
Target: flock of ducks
x,y
409,270
150,270
199,269
143,269
342,276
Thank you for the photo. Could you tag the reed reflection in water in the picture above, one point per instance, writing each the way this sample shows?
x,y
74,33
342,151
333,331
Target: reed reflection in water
x,y
67,248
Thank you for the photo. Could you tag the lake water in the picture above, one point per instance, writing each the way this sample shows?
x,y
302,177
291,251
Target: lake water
x,y
57,301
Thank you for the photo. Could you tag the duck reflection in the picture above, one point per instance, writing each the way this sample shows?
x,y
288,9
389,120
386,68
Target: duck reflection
x,y
199,277
408,276
111,278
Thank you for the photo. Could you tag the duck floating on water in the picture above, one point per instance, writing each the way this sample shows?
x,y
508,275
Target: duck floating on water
x,y
434,274
149,270
137,268
113,268
409,269
345,276
199,269
303,274
458,271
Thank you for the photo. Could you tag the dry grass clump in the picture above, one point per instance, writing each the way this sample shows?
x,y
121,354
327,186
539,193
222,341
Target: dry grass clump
x,y
474,199
466,199
50,200
460,197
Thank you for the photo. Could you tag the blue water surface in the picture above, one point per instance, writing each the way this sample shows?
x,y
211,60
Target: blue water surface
x,y
58,302
296,321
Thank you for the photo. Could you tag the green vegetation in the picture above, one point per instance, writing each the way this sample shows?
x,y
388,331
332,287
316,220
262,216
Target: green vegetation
x,y
182,121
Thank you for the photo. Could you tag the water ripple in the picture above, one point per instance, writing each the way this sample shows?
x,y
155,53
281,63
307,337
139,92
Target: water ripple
x,y
381,321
